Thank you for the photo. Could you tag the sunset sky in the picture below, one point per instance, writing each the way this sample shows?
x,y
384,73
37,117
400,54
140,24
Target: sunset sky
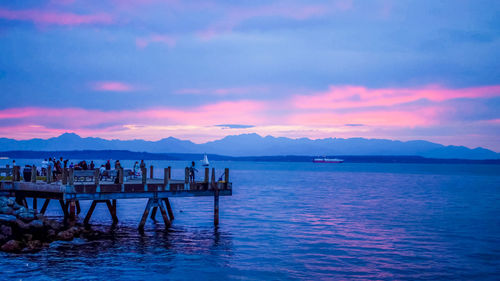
x,y
201,70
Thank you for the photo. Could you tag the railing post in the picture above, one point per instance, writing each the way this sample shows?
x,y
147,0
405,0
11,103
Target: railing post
x,y
71,177
33,174
144,175
120,175
207,171
169,173
65,176
96,176
212,181
49,174
151,171
226,178
216,199
165,178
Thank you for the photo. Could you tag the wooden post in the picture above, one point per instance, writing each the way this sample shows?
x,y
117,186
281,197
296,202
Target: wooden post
x,y
65,176
64,207
169,209
144,175
153,213
120,174
145,214
96,176
33,174
112,211
226,178
169,173
72,210
164,214
212,181
216,200
45,205
49,174
151,171
186,175
165,178
35,203
89,213
207,172
17,173
71,177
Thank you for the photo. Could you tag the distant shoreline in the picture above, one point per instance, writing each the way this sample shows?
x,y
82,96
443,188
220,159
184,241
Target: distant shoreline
x,y
131,155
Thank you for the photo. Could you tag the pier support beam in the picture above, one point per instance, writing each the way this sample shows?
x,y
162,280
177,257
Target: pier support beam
x,y
155,204
111,209
45,205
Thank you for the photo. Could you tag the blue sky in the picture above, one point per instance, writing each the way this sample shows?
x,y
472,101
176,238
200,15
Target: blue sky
x,y
152,69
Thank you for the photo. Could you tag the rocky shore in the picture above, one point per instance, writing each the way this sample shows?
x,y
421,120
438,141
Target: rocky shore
x,y
23,230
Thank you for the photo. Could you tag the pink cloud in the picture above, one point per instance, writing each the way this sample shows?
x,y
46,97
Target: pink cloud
x,y
355,96
143,42
112,86
53,17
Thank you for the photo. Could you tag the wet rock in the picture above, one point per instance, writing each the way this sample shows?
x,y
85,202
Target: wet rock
x,y
53,224
6,230
51,234
7,219
10,202
12,246
6,210
19,210
22,225
40,217
16,206
27,237
36,225
26,216
65,235
34,245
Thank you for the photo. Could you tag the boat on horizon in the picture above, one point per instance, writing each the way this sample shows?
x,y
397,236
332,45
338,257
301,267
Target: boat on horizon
x,y
327,160
205,162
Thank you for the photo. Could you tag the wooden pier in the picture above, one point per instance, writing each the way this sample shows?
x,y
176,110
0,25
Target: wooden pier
x,y
76,185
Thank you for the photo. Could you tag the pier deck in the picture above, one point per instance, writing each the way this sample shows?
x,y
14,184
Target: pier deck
x,y
75,186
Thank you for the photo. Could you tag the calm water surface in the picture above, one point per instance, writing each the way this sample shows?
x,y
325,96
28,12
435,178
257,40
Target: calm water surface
x,y
297,221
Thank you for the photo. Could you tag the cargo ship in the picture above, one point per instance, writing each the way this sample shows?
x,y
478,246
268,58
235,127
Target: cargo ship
x,y
328,160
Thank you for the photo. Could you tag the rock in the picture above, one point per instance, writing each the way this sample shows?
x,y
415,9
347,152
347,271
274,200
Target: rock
x,y
26,216
22,225
51,234
16,206
12,246
28,237
36,224
20,210
40,217
7,219
34,245
53,224
10,202
5,230
6,210
65,235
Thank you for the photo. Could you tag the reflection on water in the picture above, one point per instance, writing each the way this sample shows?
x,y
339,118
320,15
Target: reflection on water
x,y
288,222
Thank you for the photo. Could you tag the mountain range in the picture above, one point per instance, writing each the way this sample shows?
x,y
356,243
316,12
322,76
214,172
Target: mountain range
x,y
255,145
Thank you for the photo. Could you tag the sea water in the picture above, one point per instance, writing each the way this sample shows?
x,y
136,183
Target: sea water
x,y
295,221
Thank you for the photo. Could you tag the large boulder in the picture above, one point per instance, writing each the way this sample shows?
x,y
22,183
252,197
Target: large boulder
x,y
7,219
26,216
6,230
22,225
36,225
12,246
6,210
65,235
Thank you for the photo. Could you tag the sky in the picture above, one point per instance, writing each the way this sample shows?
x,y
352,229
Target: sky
x,y
201,70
